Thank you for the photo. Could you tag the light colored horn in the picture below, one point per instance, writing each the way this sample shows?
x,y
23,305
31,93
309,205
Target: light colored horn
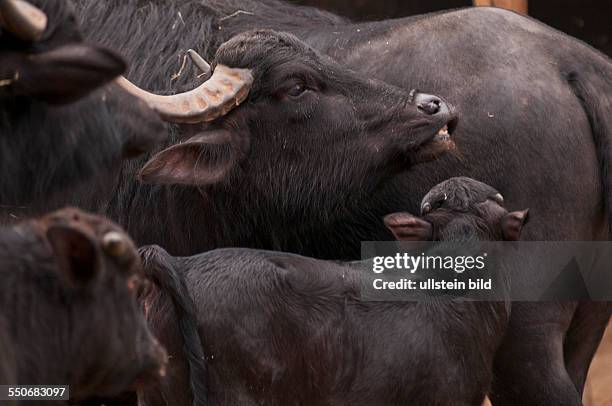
x,y
22,19
199,62
114,244
226,89
426,208
498,198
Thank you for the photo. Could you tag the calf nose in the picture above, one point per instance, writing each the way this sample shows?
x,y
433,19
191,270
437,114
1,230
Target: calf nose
x,y
430,104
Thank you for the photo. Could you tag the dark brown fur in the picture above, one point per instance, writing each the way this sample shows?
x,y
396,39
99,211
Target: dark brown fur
x,y
68,308
281,329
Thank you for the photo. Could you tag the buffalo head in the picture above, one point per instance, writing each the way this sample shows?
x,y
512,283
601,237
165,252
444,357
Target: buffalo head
x,y
61,119
463,208
308,128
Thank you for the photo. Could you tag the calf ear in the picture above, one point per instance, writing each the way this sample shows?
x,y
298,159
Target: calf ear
x,y
202,160
406,227
67,73
76,254
512,224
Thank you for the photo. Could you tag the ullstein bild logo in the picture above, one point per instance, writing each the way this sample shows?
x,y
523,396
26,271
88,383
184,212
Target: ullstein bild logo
x,y
412,263
433,284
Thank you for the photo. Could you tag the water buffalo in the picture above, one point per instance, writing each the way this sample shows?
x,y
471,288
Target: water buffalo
x,y
280,329
304,112
61,123
70,307
535,122
462,206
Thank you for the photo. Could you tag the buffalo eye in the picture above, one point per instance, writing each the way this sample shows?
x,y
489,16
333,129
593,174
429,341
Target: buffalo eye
x,y
296,90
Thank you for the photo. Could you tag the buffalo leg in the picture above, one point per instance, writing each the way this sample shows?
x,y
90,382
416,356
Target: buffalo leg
x,y
529,368
583,338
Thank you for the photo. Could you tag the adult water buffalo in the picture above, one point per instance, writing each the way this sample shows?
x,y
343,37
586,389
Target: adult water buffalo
x,y
305,114
61,123
535,108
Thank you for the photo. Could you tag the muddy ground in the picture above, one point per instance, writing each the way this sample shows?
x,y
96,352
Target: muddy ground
x,y
599,382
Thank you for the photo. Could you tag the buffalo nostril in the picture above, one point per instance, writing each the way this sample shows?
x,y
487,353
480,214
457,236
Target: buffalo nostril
x,y
431,106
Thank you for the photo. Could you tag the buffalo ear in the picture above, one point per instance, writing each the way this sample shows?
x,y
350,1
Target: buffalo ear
x,y
201,160
76,254
512,224
67,73
406,227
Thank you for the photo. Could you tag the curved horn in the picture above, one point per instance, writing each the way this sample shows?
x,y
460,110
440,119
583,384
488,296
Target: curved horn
x,y
22,19
226,89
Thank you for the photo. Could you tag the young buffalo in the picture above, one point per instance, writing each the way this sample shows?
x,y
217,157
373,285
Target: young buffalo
x,y
68,307
61,123
459,209
282,329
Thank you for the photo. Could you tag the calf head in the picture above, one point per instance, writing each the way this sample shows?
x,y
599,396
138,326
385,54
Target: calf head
x,y
77,317
59,120
459,209
310,131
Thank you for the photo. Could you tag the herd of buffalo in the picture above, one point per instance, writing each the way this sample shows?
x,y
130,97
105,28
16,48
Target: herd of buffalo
x,y
305,135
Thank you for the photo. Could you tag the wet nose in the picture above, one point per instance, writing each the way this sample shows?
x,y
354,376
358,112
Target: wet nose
x,y
430,104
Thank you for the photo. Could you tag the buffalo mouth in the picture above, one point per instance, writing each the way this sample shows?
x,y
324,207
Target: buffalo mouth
x,y
438,143
443,137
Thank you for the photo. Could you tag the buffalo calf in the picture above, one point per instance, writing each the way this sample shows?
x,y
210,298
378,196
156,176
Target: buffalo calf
x,y
459,209
282,329
68,307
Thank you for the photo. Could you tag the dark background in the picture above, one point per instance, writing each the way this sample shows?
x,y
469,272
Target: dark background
x,y
589,20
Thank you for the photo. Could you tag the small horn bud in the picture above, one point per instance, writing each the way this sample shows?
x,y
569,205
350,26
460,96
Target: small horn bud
x,y
498,198
114,244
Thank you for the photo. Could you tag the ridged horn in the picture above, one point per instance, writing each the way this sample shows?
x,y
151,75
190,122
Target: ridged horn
x,y
226,89
22,19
